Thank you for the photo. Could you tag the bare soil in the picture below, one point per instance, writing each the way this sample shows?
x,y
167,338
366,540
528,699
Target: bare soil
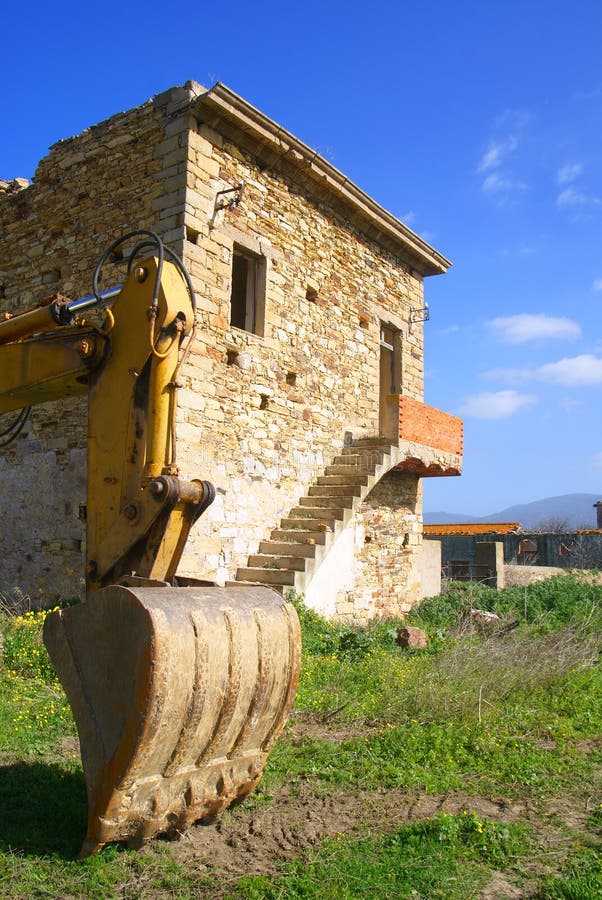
x,y
258,841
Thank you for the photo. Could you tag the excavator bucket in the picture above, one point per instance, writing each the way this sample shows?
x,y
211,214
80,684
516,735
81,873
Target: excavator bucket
x,y
178,695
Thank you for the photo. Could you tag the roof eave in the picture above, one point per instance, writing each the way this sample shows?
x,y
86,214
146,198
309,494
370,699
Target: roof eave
x,y
265,133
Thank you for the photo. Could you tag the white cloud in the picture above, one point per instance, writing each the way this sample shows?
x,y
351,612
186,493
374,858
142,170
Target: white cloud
x,y
597,285
592,94
519,250
496,404
534,326
408,217
496,183
513,119
570,404
572,371
568,173
512,376
497,152
570,197
449,329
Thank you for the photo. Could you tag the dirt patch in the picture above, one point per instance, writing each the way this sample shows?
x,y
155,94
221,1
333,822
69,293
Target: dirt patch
x,y
499,888
314,727
259,841
68,748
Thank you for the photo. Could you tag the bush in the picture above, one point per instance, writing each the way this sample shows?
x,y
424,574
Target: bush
x,y
321,637
548,604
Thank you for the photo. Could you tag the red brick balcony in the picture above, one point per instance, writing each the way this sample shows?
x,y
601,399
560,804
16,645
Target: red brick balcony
x,y
431,439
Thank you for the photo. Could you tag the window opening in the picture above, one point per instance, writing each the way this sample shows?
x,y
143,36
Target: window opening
x,y
247,300
389,380
389,354
527,546
459,570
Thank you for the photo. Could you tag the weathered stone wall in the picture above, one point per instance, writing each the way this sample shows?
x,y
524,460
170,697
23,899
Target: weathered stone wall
x,y
263,437
260,432
430,568
379,550
87,191
522,576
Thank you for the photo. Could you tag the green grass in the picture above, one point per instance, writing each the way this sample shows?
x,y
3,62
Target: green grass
x,y
580,878
443,857
483,711
34,716
493,712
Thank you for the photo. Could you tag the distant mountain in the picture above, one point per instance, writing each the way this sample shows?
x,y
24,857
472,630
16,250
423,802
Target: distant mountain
x,y
574,509
445,518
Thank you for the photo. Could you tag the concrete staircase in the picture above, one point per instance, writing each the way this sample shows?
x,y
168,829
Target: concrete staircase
x,y
297,547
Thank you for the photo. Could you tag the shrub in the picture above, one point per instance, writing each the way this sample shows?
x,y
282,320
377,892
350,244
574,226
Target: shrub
x,y
548,604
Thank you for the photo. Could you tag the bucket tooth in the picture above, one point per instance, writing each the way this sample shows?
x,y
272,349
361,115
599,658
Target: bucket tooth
x,y
178,696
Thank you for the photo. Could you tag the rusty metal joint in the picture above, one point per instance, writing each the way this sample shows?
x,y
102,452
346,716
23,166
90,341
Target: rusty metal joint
x,y
169,489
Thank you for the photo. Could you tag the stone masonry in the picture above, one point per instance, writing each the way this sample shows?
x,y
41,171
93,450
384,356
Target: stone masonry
x,y
263,410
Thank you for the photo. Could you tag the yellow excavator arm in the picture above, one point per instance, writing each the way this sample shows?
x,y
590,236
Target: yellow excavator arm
x,y
139,512
178,693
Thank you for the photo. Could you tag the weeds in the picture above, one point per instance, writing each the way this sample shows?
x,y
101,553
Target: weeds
x,y
24,650
448,856
483,711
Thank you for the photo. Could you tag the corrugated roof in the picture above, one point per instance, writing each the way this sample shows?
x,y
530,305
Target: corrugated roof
x,y
473,528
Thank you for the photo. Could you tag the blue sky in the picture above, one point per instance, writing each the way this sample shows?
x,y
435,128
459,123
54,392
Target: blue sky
x,y
479,124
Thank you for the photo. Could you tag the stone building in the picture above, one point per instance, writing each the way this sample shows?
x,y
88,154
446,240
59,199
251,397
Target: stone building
x,y
303,395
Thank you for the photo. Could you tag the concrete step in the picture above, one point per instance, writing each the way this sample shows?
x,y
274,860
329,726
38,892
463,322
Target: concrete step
x,y
356,478
363,467
361,460
316,511
289,556
266,576
284,548
307,524
339,503
371,443
299,537
334,490
347,458
269,561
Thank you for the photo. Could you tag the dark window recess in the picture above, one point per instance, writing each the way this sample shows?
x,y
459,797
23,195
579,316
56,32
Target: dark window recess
x,y
459,569
247,301
192,236
390,359
527,546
